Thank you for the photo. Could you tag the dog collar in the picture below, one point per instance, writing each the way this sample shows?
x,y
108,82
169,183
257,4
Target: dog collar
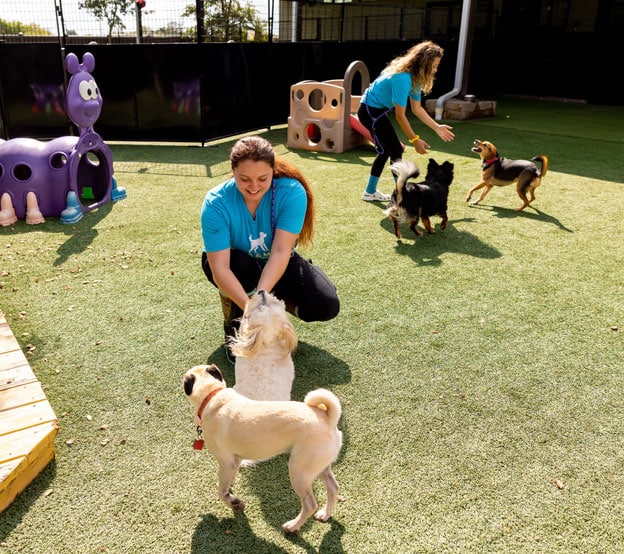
x,y
489,162
200,412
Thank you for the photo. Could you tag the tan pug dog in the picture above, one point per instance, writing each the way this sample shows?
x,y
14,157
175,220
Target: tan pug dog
x,y
236,428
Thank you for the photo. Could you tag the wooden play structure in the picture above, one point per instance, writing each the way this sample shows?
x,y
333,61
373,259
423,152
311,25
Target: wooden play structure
x,y
28,425
322,114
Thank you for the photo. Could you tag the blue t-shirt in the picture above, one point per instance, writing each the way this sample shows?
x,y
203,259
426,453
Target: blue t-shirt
x,y
390,89
227,223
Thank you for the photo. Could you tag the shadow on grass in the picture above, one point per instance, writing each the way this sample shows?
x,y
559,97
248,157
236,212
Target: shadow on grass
x,y
13,514
358,156
428,249
80,235
234,534
528,213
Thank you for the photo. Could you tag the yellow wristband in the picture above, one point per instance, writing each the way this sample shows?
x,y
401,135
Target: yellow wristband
x,y
413,140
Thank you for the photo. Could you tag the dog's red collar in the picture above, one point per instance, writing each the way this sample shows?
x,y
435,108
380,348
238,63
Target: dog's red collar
x,y
487,163
203,405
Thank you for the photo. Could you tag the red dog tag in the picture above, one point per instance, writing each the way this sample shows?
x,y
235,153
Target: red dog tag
x,y
198,444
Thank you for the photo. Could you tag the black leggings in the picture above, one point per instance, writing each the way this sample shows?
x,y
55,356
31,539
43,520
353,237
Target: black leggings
x,y
305,289
387,143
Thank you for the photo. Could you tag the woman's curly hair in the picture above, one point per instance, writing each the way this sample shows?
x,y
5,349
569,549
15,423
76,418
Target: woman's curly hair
x,y
418,61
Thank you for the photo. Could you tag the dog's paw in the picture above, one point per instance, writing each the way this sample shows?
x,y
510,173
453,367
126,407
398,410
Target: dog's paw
x,y
291,527
237,505
322,515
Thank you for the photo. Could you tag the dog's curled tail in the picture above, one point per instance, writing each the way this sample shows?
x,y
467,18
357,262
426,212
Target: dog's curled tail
x,y
327,401
544,161
404,170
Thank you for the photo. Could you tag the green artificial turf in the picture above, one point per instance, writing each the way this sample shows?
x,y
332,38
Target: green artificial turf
x,y
480,368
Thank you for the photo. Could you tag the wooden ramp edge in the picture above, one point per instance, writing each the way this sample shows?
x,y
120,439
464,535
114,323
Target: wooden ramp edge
x,y
28,425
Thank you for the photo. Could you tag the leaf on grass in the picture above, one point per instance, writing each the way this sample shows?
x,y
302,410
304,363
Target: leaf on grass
x,y
104,442
559,484
69,442
89,417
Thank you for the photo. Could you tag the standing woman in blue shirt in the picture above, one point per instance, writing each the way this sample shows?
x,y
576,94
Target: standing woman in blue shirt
x,y
405,77
250,227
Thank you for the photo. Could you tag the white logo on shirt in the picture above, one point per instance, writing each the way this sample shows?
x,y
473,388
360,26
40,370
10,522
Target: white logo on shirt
x,y
257,244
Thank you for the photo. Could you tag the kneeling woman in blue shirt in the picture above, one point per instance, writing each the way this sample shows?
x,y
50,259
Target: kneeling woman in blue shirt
x,y
251,225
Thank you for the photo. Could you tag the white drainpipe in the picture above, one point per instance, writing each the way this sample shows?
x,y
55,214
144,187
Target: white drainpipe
x,y
461,56
293,29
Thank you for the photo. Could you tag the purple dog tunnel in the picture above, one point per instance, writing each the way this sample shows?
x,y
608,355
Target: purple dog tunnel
x,y
66,176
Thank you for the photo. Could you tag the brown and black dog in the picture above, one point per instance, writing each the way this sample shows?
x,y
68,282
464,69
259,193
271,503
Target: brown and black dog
x,y
499,171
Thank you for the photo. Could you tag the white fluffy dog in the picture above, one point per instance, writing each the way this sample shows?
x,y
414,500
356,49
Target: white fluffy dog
x,y
263,347
235,427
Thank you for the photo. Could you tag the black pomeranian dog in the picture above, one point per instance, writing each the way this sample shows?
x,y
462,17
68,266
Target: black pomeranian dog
x,y
411,201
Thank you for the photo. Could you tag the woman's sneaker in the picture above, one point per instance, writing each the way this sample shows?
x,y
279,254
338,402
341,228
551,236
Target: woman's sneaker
x,y
375,197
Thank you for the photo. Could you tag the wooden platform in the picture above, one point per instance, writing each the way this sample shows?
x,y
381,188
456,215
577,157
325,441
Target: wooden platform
x,y
28,425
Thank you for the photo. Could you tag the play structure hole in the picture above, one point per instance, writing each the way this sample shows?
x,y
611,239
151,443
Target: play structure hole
x,y
317,99
314,133
58,160
93,159
299,94
92,177
329,144
22,172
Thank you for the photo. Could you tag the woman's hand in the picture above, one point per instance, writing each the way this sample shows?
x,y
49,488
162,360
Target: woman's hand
x,y
445,133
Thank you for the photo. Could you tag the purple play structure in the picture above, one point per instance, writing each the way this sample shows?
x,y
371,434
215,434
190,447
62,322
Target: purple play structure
x,y
66,176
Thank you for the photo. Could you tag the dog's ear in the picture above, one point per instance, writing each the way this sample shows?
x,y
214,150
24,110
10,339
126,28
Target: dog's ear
x,y
215,372
248,340
189,383
289,336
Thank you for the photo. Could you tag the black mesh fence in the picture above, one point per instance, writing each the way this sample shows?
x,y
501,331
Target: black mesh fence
x,y
154,21
124,21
